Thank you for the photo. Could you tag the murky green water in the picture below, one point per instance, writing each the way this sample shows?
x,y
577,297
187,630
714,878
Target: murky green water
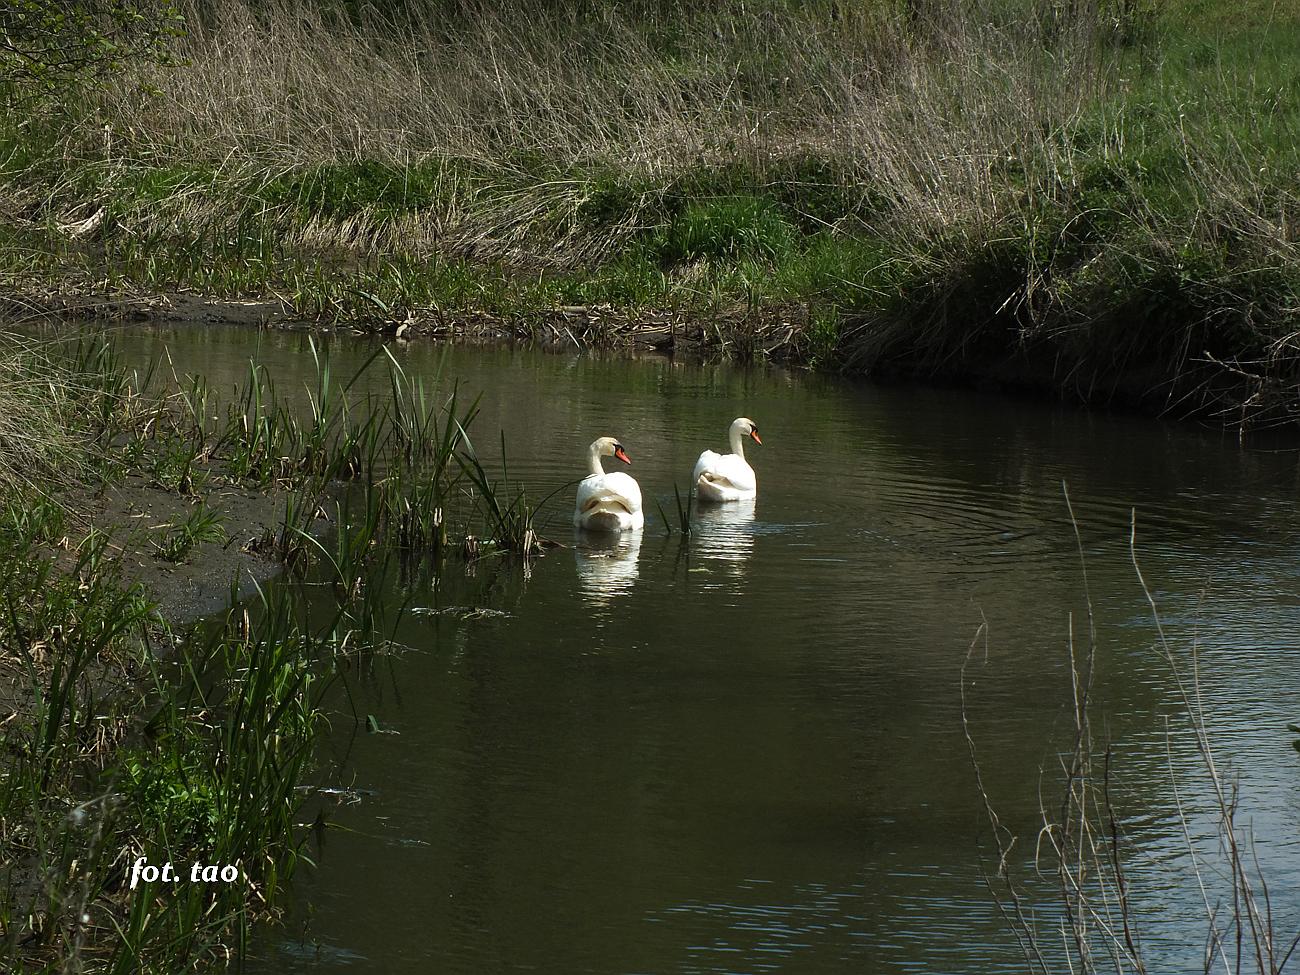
x,y
745,754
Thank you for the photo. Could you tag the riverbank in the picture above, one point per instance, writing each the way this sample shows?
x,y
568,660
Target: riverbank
x,y
111,546
134,503
1100,205
773,334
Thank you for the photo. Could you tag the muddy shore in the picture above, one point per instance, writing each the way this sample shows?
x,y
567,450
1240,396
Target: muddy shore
x,y
771,332
1205,388
138,517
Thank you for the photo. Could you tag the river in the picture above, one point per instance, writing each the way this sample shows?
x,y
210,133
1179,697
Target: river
x,y
744,752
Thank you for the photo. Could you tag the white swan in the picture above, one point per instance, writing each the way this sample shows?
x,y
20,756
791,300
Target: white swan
x,y
608,502
728,477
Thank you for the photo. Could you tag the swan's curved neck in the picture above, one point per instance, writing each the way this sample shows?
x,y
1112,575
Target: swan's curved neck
x,y
593,460
737,442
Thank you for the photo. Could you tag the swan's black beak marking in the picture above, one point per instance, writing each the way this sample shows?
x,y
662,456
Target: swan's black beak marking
x,y
754,434
621,454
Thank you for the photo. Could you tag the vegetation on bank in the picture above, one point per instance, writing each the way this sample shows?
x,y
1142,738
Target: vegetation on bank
x,y
1098,197
126,735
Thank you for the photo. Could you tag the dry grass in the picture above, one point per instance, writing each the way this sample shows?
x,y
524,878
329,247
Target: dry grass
x,y
1071,196
541,104
1084,846
39,418
286,81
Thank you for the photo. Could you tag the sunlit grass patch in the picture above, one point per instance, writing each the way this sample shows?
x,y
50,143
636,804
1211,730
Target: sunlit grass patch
x,y
725,228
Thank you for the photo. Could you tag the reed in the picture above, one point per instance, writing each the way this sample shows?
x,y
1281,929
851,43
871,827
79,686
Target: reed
x,y
685,511
1086,920
508,524
204,759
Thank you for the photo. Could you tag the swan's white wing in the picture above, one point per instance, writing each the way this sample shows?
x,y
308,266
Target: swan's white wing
x,y
736,469
724,477
624,487
595,491
706,463
608,502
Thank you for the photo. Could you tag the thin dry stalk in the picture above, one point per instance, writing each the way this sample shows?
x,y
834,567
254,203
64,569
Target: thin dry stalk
x,y
38,401
1250,921
927,119
1082,840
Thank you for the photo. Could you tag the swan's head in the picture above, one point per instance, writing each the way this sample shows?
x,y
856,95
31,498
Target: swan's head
x,y
609,447
747,428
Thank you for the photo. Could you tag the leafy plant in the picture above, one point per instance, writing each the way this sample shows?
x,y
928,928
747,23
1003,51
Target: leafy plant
x,y
49,46
200,525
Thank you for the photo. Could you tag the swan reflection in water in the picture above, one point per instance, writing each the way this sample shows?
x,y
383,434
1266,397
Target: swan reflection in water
x,y
606,564
725,532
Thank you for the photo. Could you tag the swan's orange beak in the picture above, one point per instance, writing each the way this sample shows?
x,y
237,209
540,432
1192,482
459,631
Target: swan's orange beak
x,y
621,454
754,435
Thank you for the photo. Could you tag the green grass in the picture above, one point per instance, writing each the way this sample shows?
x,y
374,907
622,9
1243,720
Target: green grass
x,y
380,190
725,229
200,525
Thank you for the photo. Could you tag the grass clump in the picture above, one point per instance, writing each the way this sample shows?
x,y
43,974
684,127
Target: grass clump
x,y
201,525
725,229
